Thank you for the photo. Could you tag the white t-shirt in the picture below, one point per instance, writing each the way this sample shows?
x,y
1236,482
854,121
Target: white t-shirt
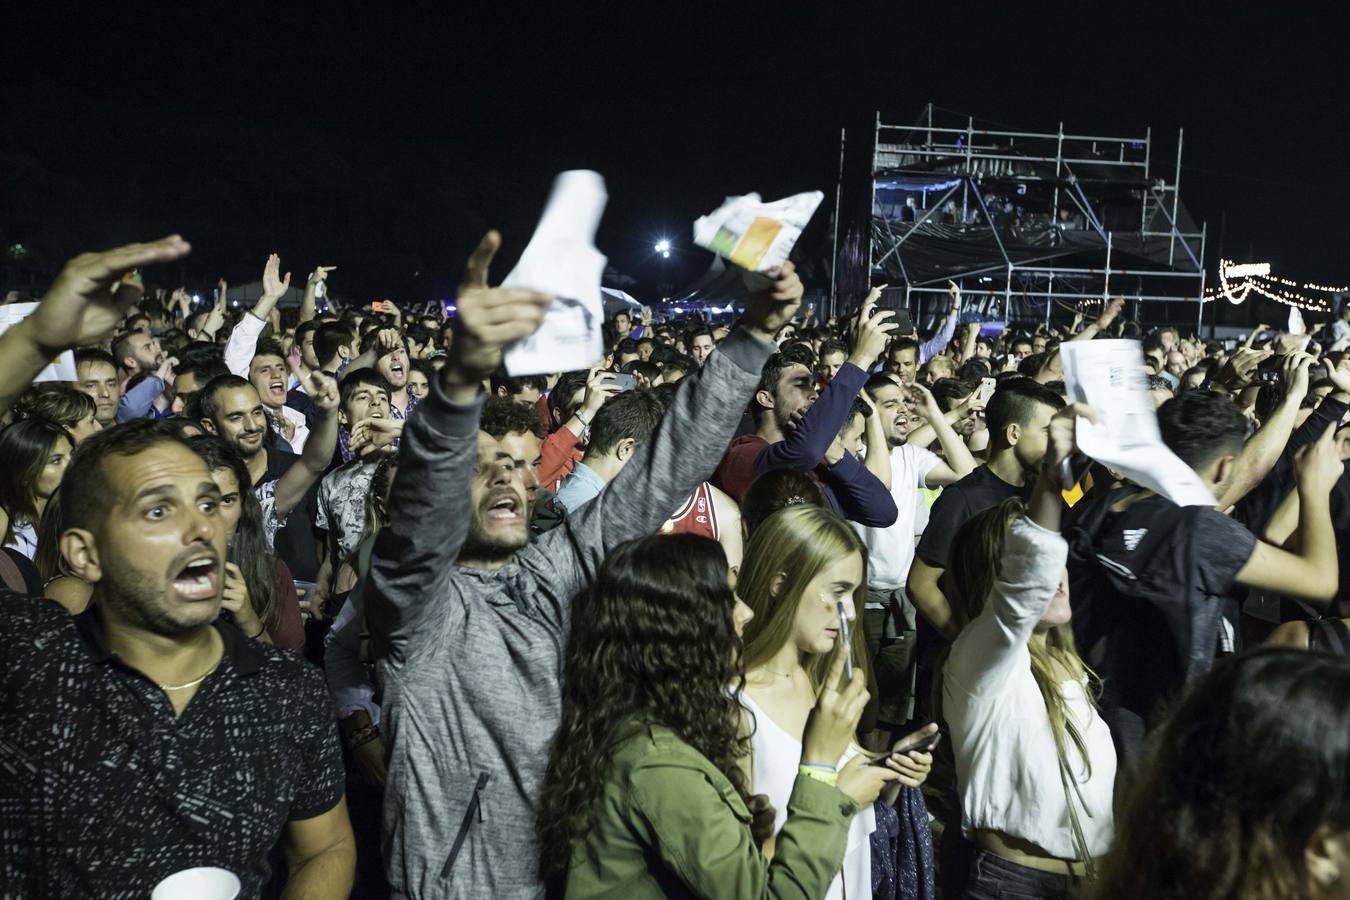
x,y
891,550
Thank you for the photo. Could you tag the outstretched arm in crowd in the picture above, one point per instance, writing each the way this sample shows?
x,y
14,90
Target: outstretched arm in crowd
x,y
1028,577
1310,570
84,305
694,433
1263,450
319,447
430,503
957,460
1103,321
804,446
244,338
308,302
946,331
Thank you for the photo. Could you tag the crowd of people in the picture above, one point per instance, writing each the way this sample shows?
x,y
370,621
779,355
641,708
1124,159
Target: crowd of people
x,y
779,606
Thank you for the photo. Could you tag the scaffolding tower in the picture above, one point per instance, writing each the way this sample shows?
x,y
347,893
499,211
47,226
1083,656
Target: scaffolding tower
x,y
1026,220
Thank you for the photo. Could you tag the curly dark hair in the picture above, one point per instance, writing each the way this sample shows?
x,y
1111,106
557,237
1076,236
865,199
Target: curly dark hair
x,y
653,639
1251,763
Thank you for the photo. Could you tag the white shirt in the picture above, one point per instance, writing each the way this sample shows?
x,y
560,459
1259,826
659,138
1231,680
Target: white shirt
x,y
296,418
1007,768
25,538
1340,330
776,757
891,550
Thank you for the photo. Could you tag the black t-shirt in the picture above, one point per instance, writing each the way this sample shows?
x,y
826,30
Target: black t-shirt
x,y
972,495
104,792
1181,566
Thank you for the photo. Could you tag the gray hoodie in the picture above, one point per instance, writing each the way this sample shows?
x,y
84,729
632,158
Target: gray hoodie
x,y
472,659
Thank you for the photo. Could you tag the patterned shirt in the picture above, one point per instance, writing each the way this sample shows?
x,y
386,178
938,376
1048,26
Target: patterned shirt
x,y
104,792
342,504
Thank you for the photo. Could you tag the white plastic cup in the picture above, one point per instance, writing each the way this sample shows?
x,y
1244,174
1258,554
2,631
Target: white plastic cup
x,y
201,883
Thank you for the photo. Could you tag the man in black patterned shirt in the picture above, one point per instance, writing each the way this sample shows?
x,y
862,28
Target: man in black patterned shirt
x,y
145,737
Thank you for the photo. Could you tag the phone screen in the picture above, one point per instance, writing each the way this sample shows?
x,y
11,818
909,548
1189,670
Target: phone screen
x,y
624,381
848,644
903,323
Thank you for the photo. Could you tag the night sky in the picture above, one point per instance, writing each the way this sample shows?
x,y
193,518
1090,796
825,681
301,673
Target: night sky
x,y
386,141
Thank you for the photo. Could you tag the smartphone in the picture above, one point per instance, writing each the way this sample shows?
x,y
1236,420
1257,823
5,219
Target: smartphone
x,y
926,744
624,381
231,552
903,323
987,386
376,307
848,644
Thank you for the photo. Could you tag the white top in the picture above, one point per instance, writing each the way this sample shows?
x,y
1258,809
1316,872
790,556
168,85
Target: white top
x,y
25,538
776,757
1007,768
890,551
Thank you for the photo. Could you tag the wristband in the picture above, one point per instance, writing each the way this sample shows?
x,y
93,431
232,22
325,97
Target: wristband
x,y
825,774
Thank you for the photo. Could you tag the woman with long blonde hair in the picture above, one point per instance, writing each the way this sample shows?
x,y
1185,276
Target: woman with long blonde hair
x,y
801,564
1034,761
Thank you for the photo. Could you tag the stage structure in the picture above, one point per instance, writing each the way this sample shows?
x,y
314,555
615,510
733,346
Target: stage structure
x,y
1025,221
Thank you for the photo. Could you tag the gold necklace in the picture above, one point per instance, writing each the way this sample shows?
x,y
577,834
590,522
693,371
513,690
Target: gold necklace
x,y
188,684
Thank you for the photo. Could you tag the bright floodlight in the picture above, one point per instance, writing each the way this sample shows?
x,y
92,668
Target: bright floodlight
x,y
663,246
665,254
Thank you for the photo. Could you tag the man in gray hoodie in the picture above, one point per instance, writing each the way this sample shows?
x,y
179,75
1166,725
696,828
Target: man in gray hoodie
x,y
469,619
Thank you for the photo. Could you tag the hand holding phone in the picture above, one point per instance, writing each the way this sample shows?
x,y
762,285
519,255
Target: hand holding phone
x,y
624,381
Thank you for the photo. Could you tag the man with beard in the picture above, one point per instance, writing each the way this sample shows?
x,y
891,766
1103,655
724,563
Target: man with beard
x,y
889,621
469,620
230,408
137,353
795,428
146,736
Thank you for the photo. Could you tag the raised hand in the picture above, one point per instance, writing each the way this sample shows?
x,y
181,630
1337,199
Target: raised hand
x,y
768,310
871,331
489,318
925,401
600,386
1318,465
834,720
1109,314
274,286
320,273
371,437
323,390
165,371
88,300
387,341
955,291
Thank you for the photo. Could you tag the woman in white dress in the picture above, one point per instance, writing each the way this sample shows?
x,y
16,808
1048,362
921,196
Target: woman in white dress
x,y
801,563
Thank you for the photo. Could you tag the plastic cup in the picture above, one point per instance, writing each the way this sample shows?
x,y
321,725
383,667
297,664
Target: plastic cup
x,y
201,883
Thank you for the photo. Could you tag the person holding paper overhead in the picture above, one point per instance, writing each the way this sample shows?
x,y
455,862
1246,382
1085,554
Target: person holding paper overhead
x,y
1152,581
469,619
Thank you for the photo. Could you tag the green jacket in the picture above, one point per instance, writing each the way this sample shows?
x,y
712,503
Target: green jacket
x,y
671,825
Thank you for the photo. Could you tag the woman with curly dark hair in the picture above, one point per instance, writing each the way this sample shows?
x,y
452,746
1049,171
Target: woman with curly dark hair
x,y
1247,794
643,796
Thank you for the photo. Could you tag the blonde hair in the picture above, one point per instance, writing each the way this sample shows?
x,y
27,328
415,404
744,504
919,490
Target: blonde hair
x,y
795,544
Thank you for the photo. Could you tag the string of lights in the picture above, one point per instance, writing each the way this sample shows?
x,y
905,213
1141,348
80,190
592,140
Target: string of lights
x,y
1237,281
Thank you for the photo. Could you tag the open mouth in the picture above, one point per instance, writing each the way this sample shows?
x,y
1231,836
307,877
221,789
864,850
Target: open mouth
x,y
199,579
504,508
396,369
277,386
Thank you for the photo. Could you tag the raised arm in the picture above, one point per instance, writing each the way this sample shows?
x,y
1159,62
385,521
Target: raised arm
x,y
684,451
803,449
308,302
244,338
1261,452
1103,321
1310,570
957,461
430,505
878,449
1028,578
862,496
84,305
319,447
946,331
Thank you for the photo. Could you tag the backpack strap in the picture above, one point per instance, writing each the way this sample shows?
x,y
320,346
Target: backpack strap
x,y
1330,635
11,578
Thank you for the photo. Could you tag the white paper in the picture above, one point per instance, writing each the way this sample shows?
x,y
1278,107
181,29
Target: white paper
x,y
1109,377
63,367
1296,325
561,260
755,235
